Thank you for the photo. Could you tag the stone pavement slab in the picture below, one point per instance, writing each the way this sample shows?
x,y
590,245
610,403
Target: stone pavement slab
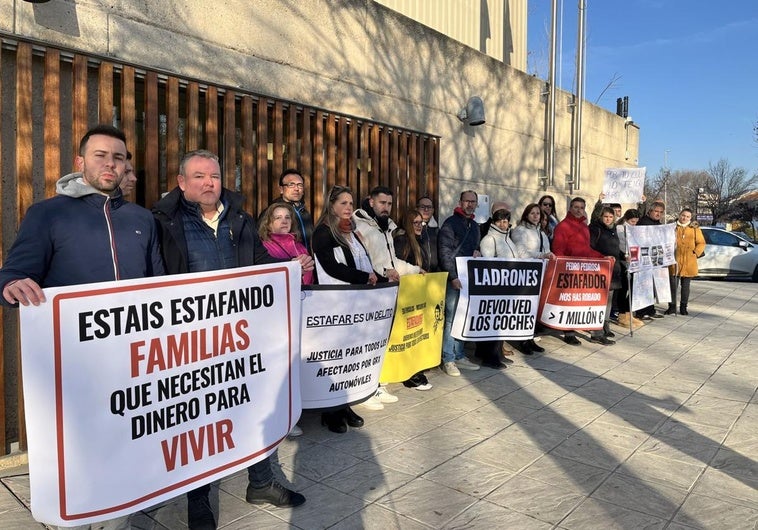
x,y
656,432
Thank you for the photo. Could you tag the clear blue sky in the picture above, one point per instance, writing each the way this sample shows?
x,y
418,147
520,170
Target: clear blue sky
x,y
689,67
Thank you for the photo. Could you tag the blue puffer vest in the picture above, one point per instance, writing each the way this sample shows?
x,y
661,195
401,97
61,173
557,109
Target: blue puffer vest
x,y
206,251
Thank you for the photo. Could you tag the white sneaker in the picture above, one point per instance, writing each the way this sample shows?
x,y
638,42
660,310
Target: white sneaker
x,y
425,386
384,396
466,364
372,403
451,369
295,431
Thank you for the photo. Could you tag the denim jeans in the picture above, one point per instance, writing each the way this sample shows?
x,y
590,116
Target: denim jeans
x,y
608,305
452,349
259,475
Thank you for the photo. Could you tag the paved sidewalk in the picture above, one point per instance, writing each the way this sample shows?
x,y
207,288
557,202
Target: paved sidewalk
x,y
658,431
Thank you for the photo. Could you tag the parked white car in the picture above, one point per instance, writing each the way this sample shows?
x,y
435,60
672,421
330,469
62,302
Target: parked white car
x,y
728,255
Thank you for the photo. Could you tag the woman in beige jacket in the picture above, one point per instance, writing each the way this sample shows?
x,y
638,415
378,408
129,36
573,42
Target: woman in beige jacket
x,y
690,244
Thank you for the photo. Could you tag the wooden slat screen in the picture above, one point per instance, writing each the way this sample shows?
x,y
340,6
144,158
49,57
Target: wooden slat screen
x,y
163,116
52,120
105,95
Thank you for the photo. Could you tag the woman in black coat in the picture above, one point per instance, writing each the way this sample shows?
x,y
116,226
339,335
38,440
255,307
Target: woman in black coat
x,y
604,239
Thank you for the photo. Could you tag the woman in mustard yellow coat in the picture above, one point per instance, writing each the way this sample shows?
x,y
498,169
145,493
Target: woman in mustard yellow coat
x,y
690,244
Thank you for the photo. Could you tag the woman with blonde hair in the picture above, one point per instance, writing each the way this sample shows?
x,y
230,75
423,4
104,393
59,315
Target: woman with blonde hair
x,y
340,258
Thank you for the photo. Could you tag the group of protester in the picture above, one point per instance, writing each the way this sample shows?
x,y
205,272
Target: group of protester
x,y
90,233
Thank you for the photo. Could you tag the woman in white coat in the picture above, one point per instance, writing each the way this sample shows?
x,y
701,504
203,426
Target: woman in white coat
x,y
531,242
496,244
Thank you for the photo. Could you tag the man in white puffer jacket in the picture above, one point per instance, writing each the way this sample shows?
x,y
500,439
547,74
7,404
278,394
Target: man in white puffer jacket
x,y
375,227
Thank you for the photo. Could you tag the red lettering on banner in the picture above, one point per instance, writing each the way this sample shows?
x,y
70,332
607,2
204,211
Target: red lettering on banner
x,y
206,440
414,321
188,347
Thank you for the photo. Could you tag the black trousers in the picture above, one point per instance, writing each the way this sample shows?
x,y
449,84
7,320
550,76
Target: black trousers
x,y
685,294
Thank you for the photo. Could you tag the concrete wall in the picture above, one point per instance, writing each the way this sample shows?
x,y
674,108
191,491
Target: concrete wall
x,y
494,27
355,57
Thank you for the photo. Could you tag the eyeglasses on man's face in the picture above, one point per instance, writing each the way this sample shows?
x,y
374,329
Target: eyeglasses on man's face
x,y
293,185
425,207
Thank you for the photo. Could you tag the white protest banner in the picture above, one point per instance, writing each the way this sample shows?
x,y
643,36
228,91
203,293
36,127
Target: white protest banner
x,y
139,390
662,285
498,300
624,184
650,246
650,285
643,294
575,293
345,329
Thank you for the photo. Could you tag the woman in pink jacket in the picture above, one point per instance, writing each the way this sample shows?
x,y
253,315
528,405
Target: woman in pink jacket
x,y
279,237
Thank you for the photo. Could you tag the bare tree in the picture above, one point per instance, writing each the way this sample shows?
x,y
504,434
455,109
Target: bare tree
x,y
677,189
612,83
723,186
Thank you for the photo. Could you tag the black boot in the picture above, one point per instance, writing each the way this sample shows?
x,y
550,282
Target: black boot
x,y
352,418
200,514
533,346
334,421
671,310
683,309
607,330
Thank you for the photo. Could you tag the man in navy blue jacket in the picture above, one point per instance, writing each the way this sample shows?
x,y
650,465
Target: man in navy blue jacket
x,y
458,237
203,227
87,233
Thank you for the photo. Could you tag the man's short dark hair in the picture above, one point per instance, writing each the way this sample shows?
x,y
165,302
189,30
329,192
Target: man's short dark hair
x,y
615,205
578,199
104,130
380,189
632,213
290,171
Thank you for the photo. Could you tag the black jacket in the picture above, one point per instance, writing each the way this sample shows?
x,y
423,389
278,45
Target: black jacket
x,y
459,236
323,250
606,240
248,246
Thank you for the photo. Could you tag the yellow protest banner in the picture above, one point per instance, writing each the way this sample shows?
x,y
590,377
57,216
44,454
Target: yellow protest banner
x,y
416,338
